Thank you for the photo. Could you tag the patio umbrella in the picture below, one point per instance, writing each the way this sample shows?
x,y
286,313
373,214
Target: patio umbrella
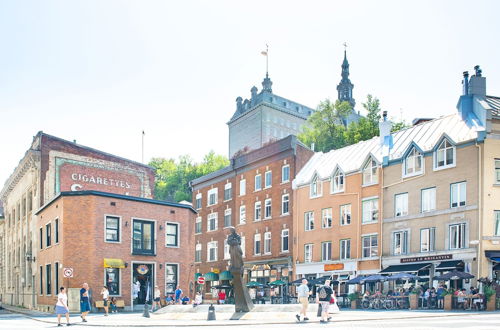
x,y
277,283
321,280
403,276
373,278
356,280
253,284
297,282
223,286
454,275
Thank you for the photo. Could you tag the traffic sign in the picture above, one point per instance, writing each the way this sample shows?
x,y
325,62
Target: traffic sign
x,y
201,280
68,272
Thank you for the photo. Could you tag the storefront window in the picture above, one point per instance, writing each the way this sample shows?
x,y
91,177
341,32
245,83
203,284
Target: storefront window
x,y
113,281
171,277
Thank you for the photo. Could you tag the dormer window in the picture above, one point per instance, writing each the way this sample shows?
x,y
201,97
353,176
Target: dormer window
x,y
413,163
338,181
370,172
444,156
315,187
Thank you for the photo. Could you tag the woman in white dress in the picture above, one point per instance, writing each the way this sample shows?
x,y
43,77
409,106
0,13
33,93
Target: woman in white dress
x,y
62,306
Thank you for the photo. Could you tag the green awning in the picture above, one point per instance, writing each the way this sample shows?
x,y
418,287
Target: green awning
x,y
211,276
196,275
277,283
253,284
225,276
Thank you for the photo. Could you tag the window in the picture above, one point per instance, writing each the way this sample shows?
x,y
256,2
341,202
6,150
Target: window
x,y
309,220
172,234
228,191
268,179
370,246
444,155
401,205
198,226
257,212
326,251
497,171
267,208
338,181
267,242
370,210
497,223
227,218
171,277
47,235
243,214
284,240
458,194
197,253
345,214
256,244
243,246
212,197
400,242
413,163
198,201
212,251
315,188
428,199
41,280
56,278
370,172
41,238
457,236
326,218
226,250
285,204
56,231
308,252
212,222
112,229
143,237
243,187
258,182
48,279
345,249
285,173
113,280
427,239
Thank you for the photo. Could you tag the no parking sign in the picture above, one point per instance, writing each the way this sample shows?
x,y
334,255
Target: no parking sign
x,y
68,272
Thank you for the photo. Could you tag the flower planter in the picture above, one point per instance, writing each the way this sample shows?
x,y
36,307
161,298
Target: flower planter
x,y
491,303
355,304
448,302
413,301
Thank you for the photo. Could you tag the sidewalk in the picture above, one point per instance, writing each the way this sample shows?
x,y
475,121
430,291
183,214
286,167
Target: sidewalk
x,y
177,319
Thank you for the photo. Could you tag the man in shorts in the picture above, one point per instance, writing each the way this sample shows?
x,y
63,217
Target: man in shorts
x,y
84,301
303,295
323,297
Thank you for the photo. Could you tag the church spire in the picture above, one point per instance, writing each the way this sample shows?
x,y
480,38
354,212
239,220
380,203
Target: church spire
x,y
345,86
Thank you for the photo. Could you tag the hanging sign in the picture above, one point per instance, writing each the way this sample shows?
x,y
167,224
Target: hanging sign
x,y
142,269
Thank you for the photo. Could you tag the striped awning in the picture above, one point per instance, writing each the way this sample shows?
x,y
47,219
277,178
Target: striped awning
x,y
225,276
211,276
114,263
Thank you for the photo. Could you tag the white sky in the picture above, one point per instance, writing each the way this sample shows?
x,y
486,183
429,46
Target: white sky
x,y
102,71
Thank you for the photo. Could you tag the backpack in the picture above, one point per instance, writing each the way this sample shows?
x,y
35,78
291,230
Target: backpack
x,y
322,293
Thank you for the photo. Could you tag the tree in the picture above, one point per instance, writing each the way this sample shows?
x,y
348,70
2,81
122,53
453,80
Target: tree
x,y
172,176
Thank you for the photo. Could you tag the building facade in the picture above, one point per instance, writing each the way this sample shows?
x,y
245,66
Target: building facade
x,y
253,194
52,165
129,244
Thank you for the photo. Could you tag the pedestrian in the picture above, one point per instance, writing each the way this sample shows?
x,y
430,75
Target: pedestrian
x,y
323,297
62,306
157,298
185,300
303,295
178,294
105,298
198,298
84,302
222,297
169,300
112,304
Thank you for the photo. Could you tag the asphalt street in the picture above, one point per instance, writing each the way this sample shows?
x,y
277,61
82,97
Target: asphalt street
x,y
13,321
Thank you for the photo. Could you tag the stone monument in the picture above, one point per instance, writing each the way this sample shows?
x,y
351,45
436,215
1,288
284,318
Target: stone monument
x,y
242,301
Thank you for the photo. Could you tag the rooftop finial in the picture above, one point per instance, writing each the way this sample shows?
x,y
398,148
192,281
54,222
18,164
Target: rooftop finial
x,y
266,54
267,83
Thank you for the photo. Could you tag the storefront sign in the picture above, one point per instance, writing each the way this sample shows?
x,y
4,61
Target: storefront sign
x,y
427,258
330,267
142,269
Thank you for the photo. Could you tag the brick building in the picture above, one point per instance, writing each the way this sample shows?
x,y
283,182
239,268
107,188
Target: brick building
x,y
253,194
114,240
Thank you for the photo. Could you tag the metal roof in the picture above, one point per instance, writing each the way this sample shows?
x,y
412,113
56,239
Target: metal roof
x,y
494,103
425,136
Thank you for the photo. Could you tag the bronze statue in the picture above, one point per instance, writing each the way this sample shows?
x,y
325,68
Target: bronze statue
x,y
242,301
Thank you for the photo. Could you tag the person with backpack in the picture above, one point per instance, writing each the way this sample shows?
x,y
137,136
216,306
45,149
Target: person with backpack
x,y
323,296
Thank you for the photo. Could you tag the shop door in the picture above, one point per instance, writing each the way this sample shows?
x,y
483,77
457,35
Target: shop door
x,y
142,283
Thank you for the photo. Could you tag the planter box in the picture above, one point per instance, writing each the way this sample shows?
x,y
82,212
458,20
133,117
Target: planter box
x,y
413,301
491,303
448,302
355,304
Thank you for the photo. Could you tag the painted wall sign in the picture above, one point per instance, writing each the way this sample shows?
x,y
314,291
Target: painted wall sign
x,y
427,258
330,267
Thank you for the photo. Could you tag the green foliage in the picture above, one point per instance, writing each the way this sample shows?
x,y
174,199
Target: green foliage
x,y
354,296
172,176
326,129
488,292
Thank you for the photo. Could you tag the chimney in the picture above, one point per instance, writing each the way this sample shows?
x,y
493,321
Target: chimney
x,y
465,83
385,127
477,83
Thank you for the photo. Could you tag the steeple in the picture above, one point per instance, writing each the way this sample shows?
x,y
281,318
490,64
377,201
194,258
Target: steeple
x,y
345,86
267,84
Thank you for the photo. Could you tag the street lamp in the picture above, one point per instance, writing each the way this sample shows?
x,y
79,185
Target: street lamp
x,y
29,257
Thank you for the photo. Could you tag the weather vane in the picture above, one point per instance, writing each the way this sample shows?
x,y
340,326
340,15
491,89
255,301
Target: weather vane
x,y
345,45
265,53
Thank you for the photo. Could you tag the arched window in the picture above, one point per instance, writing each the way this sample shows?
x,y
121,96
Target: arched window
x,y
444,155
338,181
370,173
413,163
